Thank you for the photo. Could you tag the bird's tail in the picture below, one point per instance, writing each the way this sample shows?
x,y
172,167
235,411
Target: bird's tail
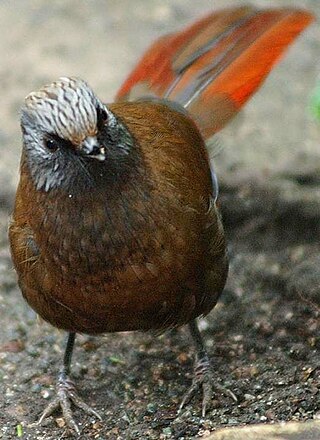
x,y
212,67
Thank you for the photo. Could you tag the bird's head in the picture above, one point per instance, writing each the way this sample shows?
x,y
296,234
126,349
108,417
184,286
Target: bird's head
x,y
67,132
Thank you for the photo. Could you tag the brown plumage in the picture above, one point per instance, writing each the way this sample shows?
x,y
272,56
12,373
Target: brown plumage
x,y
115,225
143,252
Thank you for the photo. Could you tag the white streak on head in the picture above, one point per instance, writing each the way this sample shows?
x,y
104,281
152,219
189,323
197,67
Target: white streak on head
x,y
67,108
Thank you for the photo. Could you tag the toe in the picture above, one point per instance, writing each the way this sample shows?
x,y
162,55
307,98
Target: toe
x,y
50,409
77,401
67,394
207,395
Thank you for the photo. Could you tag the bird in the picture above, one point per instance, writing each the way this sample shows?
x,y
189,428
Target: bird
x,y
116,225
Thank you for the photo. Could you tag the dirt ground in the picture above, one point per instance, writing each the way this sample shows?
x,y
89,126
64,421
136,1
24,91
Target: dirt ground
x,y
263,337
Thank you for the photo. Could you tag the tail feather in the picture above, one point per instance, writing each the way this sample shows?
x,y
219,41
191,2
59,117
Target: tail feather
x,y
215,65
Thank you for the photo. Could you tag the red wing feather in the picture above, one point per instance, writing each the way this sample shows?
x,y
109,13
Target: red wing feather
x,y
155,70
214,66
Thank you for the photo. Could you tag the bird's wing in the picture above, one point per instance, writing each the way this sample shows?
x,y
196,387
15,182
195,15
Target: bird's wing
x,y
212,67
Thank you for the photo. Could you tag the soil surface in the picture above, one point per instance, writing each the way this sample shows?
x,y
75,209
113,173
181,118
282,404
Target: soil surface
x,y
263,337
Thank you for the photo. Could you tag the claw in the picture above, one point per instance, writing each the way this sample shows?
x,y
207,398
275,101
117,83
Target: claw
x,y
203,379
66,393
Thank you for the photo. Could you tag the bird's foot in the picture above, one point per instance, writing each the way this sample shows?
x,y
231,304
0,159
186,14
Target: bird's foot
x,y
203,379
65,394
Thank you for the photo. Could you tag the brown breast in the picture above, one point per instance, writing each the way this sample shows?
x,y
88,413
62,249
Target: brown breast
x,y
148,255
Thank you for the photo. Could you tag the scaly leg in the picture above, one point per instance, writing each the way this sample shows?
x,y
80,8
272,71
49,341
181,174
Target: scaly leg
x,y
202,374
66,392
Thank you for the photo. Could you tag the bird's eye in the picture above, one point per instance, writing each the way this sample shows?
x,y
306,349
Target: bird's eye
x,y
102,116
51,144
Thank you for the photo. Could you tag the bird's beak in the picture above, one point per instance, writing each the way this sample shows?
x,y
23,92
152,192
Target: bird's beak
x,y
91,147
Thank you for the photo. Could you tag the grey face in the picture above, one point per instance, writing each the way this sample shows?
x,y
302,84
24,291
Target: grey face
x,y
65,128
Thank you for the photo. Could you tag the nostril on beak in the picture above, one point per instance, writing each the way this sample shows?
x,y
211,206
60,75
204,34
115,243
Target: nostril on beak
x,y
94,151
91,147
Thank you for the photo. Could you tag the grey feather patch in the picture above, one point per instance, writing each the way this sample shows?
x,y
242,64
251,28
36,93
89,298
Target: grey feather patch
x,y
32,245
62,133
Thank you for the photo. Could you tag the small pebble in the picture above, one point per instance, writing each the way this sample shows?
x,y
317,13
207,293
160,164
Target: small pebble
x,y
60,422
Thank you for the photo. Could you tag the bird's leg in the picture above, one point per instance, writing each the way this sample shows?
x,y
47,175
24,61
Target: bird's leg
x,y
202,373
66,392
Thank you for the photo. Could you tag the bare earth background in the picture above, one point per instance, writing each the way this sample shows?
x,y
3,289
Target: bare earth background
x,y
263,336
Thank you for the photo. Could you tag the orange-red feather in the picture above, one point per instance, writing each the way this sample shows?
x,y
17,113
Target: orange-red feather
x,y
215,65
